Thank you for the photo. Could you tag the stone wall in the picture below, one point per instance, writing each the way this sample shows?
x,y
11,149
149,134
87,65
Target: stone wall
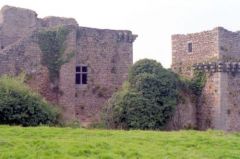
x,y
231,96
16,24
208,104
108,57
229,45
204,47
106,53
229,51
216,53
66,99
185,113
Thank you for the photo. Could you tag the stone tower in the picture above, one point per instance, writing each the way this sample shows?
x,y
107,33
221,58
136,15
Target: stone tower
x,y
217,53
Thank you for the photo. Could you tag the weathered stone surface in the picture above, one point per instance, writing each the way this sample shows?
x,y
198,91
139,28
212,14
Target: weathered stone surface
x,y
204,47
16,24
184,116
106,53
216,52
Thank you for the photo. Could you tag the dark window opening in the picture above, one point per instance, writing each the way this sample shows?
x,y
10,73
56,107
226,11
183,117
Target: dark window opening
x,y
84,69
189,47
78,69
81,75
2,47
84,79
78,78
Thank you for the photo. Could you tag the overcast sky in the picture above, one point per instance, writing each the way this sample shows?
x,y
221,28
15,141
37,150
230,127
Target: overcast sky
x,y
153,20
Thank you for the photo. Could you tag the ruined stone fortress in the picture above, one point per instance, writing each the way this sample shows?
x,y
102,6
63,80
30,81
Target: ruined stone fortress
x,y
98,67
217,53
99,64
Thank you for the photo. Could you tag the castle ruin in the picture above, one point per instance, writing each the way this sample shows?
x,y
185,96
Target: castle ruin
x,y
216,53
97,67
92,64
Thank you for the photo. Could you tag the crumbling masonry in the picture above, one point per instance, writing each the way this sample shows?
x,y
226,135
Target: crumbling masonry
x,y
93,63
217,53
98,65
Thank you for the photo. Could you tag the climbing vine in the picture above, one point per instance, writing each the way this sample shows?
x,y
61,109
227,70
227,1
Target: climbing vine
x,y
195,84
198,82
51,43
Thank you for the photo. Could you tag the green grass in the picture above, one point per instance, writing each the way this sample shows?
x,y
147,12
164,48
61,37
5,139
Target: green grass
x,y
70,143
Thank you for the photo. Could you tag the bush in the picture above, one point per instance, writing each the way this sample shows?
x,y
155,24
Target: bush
x,y
147,99
144,66
20,106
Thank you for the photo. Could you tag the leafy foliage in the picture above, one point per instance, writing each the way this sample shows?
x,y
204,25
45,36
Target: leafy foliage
x,y
144,66
194,85
147,99
19,105
198,82
52,45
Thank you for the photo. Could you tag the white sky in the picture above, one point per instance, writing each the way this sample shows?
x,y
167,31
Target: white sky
x,y
153,20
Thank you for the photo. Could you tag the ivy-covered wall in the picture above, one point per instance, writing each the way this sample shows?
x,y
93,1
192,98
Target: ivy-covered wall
x,y
52,44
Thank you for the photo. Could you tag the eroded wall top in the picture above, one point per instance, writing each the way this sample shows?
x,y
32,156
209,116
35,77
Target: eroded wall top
x,y
16,23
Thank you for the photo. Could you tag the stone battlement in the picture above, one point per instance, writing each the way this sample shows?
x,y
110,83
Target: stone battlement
x,y
220,66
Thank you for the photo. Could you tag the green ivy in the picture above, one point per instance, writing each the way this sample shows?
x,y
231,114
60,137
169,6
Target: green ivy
x,y
198,82
52,45
195,84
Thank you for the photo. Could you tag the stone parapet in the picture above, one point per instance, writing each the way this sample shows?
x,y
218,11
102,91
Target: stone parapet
x,y
219,66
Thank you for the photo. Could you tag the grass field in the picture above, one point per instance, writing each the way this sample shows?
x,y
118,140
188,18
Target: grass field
x,y
70,143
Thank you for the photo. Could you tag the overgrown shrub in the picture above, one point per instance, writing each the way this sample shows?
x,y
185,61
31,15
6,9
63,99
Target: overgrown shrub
x,y
147,99
144,66
20,106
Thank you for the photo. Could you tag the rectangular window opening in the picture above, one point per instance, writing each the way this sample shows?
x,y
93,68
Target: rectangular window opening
x,y
84,78
81,75
189,47
84,69
78,69
78,78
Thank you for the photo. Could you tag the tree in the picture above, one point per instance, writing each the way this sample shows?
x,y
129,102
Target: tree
x,y
147,99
